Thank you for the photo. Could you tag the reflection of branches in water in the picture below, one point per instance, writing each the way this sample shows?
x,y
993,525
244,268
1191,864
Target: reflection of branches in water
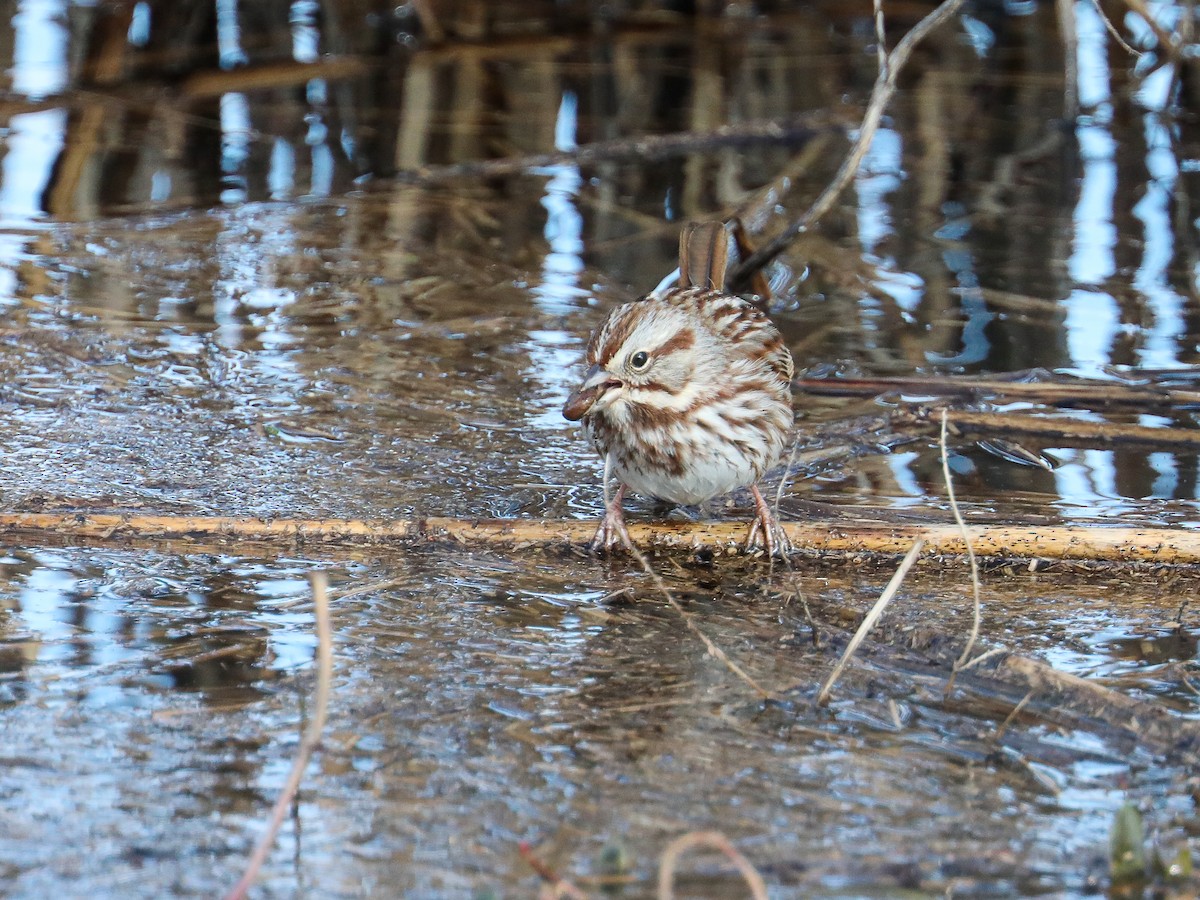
x,y
881,94
797,130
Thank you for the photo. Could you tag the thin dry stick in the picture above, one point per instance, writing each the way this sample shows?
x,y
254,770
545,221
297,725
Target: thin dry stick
x,y
716,841
713,650
312,735
872,617
983,657
881,94
787,561
371,588
962,527
787,471
427,16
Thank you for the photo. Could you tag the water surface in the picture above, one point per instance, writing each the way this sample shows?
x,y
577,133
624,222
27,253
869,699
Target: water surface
x,y
234,286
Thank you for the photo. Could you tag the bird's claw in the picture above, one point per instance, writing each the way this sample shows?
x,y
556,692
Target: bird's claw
x,y
770,536
765,530
612,533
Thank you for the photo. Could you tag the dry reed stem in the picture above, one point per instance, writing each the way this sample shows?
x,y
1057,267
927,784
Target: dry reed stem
x,y
962,527
880,37
427,16
850,539
716,841
312,735
869,622
881,94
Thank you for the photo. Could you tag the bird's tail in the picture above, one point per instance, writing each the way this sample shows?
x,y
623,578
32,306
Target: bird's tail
x,y
703,255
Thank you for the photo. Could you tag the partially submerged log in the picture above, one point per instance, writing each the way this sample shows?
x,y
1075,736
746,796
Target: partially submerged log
x,y
838,537
1033,690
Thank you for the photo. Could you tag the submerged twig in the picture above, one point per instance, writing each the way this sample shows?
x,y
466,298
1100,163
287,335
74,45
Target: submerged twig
x,y
1012,715
558,887
869,621
716,841
312,735
713,650
1038,689
962,527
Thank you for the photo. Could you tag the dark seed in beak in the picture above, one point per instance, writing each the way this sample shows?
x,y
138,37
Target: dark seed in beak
x,y
580,402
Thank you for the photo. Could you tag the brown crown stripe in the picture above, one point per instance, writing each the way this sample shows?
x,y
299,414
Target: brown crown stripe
x,y
684,339
615,335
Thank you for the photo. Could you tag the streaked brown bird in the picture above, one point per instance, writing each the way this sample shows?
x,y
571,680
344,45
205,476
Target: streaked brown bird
x,y
688,394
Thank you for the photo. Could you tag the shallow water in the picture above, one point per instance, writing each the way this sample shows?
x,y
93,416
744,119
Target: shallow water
x,y
480,701
217,300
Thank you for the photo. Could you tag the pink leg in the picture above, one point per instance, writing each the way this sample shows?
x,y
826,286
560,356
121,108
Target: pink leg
x,y
612,532
764,523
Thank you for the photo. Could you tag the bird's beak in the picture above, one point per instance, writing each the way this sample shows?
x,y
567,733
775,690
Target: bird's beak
x,y
595,385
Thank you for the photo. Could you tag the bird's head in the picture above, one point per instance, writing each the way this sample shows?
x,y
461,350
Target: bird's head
x,y
645,353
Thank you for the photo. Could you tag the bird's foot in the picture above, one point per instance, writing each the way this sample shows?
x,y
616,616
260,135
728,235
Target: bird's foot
x,y
612,533
765,530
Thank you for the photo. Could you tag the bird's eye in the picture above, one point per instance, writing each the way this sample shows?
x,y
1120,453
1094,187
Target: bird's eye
x,y
639,360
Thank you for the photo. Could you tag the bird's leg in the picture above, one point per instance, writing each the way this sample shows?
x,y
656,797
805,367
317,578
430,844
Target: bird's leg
x,y
612,531
765,524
